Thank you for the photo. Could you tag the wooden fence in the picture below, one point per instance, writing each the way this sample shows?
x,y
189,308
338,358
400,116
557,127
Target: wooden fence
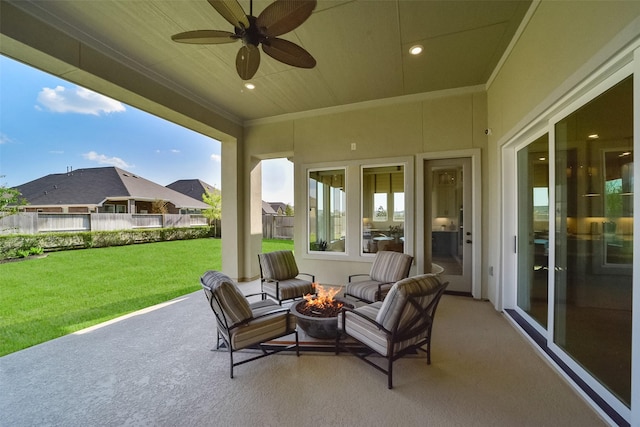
x,y
42,222
277,227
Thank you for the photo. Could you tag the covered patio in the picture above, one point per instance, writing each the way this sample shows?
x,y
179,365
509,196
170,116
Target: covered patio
x,y
155,367
496,78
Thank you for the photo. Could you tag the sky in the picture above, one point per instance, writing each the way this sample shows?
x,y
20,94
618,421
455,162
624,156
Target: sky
x,y
48,125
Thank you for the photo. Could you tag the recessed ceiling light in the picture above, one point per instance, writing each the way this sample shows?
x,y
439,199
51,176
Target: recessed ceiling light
x,y
416,49
250,86
594,136
542,159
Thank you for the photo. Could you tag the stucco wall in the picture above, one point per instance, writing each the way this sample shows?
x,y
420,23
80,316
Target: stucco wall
x,y
396,129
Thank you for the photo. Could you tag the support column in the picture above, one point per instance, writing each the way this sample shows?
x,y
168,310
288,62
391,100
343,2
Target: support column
x,y
232,211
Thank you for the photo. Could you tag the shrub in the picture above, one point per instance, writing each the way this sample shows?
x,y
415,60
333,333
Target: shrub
x,y
17,245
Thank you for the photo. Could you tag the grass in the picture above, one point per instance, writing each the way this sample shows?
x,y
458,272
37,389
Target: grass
x,y
68,291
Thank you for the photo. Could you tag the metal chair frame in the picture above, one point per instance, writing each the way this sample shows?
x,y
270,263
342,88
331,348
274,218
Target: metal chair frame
x,y
223,323
421,321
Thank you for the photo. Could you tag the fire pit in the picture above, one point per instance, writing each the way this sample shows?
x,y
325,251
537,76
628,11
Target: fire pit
x,y
318,315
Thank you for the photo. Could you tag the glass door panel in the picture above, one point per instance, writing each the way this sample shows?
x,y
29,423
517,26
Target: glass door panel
x,y
533,229
594,237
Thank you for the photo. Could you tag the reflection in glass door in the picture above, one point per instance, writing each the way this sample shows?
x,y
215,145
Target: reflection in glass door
x,y
451,228
594,237
533,229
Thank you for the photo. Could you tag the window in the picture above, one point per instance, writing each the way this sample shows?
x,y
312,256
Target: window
x,y
383,208
327,210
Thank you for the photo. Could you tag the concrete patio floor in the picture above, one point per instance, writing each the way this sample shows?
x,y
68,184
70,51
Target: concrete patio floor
x,y
156,368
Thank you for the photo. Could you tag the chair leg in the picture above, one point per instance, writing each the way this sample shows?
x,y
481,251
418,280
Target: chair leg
x,y
231,362
390,373
297,345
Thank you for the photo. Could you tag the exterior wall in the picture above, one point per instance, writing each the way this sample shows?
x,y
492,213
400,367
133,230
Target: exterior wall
x,y
399,129
550,58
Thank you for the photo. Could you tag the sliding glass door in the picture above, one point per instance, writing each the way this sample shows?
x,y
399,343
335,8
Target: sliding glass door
x,y
594,237
533,230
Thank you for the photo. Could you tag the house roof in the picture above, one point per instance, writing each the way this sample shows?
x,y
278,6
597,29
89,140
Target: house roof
x,y
278,205
194,188
267,209
92,186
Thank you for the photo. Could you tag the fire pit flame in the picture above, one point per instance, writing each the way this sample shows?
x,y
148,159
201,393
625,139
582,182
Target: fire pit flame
x,y
323,300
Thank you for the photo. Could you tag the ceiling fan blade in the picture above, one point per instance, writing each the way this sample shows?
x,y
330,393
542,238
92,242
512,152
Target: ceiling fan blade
x,y
247,61
282,16
289,53
204,37
232,12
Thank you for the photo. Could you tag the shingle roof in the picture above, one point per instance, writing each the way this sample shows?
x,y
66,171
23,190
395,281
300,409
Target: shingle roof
x,y
267,209
192,187
92,186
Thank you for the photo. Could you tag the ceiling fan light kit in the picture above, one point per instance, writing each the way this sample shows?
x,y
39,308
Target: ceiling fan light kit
x,y
278,18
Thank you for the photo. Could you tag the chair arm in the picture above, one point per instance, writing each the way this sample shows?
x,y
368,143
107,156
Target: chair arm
x,y
262,294
368,319
313,278
381,285
357,275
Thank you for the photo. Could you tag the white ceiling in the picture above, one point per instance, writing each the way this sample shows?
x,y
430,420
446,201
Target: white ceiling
x,y
361,48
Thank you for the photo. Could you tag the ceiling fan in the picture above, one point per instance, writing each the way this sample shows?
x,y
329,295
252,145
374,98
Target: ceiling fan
x,y
278,18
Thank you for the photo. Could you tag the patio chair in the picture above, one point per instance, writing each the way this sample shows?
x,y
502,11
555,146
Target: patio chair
x,y
242,324
388,267
397,326
279,276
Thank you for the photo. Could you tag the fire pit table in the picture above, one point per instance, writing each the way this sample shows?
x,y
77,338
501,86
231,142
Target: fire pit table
x,y
317,315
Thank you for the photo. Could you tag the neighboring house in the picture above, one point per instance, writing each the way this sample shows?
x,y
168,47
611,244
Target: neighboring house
x,y
194,188
267,209
107,189
279,207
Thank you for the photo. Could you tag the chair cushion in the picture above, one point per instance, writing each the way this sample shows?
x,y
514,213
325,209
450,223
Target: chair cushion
x,y
364,331
261,329
391,310
232,303
367,290
389,267
292,288
278,265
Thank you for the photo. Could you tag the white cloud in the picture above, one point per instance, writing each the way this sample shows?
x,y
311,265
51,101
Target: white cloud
x,y
216,158
4,139
77,100
105,160
174,151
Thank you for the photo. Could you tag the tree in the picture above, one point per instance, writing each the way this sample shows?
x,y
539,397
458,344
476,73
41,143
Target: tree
x,y
10,200
159,207
214,199
288,211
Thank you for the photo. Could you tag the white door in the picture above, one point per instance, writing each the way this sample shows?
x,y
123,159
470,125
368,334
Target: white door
x,y
449,220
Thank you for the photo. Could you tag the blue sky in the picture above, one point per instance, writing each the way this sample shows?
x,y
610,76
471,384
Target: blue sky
x,y
48,124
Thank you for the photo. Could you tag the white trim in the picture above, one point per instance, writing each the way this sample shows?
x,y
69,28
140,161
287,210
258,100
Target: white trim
x,y
476,204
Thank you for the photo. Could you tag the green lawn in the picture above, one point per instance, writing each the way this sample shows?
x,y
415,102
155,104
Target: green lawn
x,y
42,299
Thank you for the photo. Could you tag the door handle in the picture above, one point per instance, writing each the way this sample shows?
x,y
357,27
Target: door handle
x,y
468,241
